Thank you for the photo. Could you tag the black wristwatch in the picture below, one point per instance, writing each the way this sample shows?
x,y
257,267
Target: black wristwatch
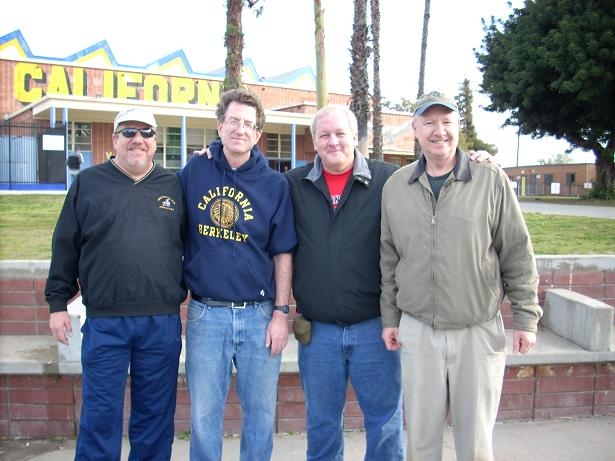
x,y
283,308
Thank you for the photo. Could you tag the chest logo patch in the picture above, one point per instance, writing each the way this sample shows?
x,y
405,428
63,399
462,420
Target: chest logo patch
x,y
166,203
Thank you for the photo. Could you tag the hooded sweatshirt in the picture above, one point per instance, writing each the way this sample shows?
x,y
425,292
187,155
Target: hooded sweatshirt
x,y
238,219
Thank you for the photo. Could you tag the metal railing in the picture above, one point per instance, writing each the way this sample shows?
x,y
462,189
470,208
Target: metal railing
x,y
27,162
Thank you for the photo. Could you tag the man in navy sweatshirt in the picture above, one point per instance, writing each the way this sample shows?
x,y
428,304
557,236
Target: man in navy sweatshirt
x,y
238,265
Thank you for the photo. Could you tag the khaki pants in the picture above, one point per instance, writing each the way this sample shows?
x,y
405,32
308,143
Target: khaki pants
x,y
460,369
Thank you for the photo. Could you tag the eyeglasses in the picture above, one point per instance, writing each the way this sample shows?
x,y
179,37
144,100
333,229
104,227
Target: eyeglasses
x,y
235,123
132,132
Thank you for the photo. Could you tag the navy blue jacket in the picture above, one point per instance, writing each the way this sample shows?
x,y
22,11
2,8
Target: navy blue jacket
x,y
237,221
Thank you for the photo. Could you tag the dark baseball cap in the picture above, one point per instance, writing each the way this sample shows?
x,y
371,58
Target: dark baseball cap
x,y
434,98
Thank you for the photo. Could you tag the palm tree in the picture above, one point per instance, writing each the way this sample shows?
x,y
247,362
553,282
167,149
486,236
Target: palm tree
x,y
359,84
233,42
376,96
322,95
426,15
421,89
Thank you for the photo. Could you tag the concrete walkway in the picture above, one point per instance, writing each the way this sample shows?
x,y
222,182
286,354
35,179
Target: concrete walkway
x,y
569,209
558,440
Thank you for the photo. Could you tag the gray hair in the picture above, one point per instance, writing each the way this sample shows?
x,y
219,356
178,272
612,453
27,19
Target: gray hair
x,y
330,108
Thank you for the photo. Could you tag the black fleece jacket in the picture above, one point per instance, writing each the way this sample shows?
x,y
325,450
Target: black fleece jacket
x,y
336,276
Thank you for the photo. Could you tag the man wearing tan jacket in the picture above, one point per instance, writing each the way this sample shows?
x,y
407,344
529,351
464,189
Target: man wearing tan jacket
x,y
453,244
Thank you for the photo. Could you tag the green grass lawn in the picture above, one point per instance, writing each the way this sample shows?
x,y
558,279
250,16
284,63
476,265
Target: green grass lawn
x,y
27,222
26,225
562,235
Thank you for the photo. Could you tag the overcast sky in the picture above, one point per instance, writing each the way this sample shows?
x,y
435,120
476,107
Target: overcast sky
x,y
282,39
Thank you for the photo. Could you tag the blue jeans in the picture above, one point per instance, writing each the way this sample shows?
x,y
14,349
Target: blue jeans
x,y
151,346
216,339
356,352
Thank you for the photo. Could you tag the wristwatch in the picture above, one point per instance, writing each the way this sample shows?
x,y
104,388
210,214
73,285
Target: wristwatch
x,y
283,308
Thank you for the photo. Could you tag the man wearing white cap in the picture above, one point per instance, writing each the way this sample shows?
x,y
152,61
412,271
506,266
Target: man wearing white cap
x,y
118,241
453,244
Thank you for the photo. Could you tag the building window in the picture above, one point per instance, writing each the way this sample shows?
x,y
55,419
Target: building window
x,y
172,148
548,179
570,178
168,152
278,151
198,138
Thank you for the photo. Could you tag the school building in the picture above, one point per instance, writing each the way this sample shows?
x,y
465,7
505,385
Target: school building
x,y
566,179
54,106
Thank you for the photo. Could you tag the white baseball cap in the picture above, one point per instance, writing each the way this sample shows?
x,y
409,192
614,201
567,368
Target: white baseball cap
x,y
134,115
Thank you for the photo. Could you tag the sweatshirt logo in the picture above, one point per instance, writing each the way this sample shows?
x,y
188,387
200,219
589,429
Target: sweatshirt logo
x,y
224,213
225,205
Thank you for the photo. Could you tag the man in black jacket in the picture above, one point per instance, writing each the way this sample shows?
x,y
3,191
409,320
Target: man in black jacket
x,y
336,284
118,240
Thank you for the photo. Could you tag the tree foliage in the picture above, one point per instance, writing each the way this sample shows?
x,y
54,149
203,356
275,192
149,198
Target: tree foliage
x,y
551,66
468,139
405,105
558,159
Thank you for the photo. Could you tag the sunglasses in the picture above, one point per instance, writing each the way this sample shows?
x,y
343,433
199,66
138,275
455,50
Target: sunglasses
x,y
132,132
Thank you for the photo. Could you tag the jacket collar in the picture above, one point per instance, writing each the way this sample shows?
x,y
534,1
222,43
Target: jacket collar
x,y
360,169
461,171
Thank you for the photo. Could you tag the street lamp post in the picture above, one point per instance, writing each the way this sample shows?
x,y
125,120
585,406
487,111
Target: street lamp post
x,y
518,140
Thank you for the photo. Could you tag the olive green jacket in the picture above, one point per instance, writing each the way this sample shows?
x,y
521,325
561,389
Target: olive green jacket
x,y
450,262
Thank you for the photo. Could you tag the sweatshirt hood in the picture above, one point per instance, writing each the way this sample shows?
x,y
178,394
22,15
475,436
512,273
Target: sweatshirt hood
x,y
253,168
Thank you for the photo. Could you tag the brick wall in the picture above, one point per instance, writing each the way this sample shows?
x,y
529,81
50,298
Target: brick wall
x,y
23,310
48,405
558,391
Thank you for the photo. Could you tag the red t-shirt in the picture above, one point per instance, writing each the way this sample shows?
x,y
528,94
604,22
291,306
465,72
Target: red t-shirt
x,y
336,184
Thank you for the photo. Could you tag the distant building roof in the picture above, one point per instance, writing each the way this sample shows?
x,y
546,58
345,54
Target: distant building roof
x,y
14,46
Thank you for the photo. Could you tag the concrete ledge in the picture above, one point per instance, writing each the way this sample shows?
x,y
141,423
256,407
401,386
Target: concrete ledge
x,y
572,322
28,355
562,263
69,356
34,355
40,355
16,268
580,319
552,349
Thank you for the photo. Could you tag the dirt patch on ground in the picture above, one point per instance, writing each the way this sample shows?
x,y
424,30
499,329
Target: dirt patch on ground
x,y
25,449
